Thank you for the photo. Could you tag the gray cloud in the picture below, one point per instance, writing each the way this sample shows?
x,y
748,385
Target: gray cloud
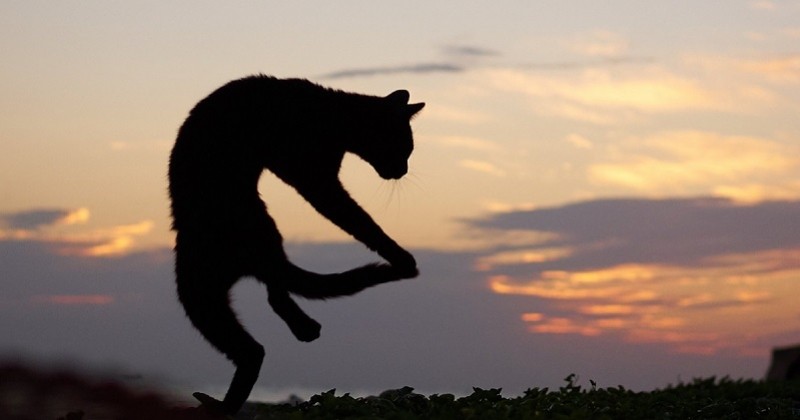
x,y
679,231
653,270
423,68
32,219
462,58
455,64
587,63
469,51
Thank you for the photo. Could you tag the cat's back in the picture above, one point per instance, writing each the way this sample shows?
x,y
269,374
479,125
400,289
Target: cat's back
x,y
253,111
225,143
258,93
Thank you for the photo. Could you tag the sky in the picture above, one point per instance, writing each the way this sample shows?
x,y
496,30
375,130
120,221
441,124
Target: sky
x,y
610,189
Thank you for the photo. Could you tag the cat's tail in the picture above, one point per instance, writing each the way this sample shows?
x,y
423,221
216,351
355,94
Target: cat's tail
x,y
324,286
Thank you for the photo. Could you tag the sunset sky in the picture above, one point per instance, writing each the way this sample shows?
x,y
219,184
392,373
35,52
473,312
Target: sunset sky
x,y
604,188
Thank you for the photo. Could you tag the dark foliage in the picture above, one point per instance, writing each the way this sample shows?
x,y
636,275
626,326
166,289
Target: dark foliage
x,y
710,398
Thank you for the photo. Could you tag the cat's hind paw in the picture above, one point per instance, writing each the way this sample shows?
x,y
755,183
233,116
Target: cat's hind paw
x,y
306,330
213,407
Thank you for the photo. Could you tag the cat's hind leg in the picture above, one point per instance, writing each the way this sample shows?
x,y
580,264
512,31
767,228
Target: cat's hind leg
x,y
302,326
210,312
325,286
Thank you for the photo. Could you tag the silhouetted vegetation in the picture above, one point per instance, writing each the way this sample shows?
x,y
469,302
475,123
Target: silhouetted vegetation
x,y
710,398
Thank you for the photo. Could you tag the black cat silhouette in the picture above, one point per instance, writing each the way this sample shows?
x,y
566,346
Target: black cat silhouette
x,y
300,131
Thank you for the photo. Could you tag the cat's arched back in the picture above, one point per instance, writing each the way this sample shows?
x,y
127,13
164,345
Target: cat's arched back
x,y
300,131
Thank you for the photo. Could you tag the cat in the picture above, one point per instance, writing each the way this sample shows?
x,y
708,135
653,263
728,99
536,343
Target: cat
x,y
300,131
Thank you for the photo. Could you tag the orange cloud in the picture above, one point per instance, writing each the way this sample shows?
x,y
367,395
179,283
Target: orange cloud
x,y
750,193
80,215
563,326
672,162
524,256
107,242
23,223
56,227
467,143
482,167
717,305
774,69
607,309
602,97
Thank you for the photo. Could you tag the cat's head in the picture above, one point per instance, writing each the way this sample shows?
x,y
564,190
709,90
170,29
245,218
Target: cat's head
x,y
390,143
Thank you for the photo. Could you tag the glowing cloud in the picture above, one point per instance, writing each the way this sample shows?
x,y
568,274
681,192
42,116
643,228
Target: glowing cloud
x,y
524,256
750,193
482,167
597,93
106,242
563,326
40,218
698,275
677,307
671,162
56,228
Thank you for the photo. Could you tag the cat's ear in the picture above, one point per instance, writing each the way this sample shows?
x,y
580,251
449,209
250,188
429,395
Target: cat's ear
x,y
414,108
399,97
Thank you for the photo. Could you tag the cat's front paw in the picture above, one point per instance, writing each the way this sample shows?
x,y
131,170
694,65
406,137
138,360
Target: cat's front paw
x,y
403,263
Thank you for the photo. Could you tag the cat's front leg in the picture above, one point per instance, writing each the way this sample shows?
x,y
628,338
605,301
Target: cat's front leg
x,y
332,201
401,260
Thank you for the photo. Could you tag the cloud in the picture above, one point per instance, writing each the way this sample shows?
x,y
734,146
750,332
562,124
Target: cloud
x,y
445,67
482,167
672,162
691,273
782,70
586,63
617,231
469,51
749,192
459,58
599,43
113,241
46,227
38,218
602,52
777,69
604,97
422,68
468,143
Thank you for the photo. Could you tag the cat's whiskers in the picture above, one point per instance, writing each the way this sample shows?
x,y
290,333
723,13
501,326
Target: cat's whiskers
x,y
413,179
